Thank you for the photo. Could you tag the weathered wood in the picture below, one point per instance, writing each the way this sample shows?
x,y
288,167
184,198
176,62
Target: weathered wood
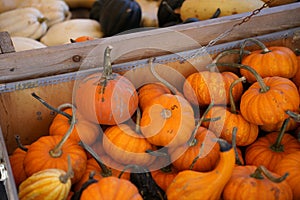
x,y
6,45
134,46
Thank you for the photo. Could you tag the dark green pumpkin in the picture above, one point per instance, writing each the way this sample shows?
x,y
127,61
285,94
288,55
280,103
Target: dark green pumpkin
x,y
116,16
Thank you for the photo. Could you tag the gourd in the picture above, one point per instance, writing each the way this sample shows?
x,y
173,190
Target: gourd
x,y
166,13
54,10
164,176
279,2
149,12
203,9
127,15
6,5
62,32
189,184
296,78
51,184
24,43
252,182
24,22
100,97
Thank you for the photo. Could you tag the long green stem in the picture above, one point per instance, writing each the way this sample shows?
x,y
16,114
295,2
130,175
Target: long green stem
x,y
277,146
232,103
237,159
295,116
262,170
69,174
19,143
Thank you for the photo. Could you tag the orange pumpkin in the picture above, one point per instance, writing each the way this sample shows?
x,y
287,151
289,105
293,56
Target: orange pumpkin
x,y
149,92
101,97
252,182
296,78
202,87
82,39
230,118
111,188
291,164
273,61
203,149
270,149
169,121
126,146
164,176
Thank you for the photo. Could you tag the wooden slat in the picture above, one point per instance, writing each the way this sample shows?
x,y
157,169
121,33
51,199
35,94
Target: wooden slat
x,y
71,57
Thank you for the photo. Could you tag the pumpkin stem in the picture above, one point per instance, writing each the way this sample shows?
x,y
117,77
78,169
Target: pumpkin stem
x,y
156,75
107,67
277,146
192,141
262,170
138,121
132,166
69,174
257,42
237,159
232,103
166,113
293,115
224,145
19,143
56,151
105,171
156,153
51,107
263,87
197,157
42,19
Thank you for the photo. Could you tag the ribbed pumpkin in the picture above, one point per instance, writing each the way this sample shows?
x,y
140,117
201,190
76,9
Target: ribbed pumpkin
x,y
101,97
164,176
169,121
273,61
52,184
270,149
189,184
230,118
111,188
126,146
252,182
16,160
291,164
202,87
202,148
296,78
149,92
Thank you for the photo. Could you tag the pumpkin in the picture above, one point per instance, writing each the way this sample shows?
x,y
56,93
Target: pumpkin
x,y
169,121
291,164
111,188
266,100
127,15
126,146
189,184
54,184
202,154
252,182
296,78
60,33
272,61
150,91
24,43
16,160
54,10
82,39
23,22
271,148
164,176
101,98
201,88
230,118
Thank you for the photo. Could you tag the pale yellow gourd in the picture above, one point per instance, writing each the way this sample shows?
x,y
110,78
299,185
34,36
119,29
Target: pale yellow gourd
x,y
23,22
149,12
62,32
23,43
6,5
80,3
54,10
204,9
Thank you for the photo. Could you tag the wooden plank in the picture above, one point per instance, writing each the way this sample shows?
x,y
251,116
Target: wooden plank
x,y
6,45
72,57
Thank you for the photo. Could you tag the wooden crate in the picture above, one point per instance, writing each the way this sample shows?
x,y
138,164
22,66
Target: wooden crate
x,y
51,72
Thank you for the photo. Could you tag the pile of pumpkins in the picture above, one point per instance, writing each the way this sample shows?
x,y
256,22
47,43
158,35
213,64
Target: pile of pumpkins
x,y
41,23
223,135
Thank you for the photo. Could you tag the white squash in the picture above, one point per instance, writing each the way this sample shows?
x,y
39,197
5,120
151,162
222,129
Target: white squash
x,y
6,5
54,10
62,32
24,22
23,43
80,3
149,12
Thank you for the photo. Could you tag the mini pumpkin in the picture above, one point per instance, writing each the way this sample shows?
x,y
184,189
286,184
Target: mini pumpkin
x,y
101,98
272,61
